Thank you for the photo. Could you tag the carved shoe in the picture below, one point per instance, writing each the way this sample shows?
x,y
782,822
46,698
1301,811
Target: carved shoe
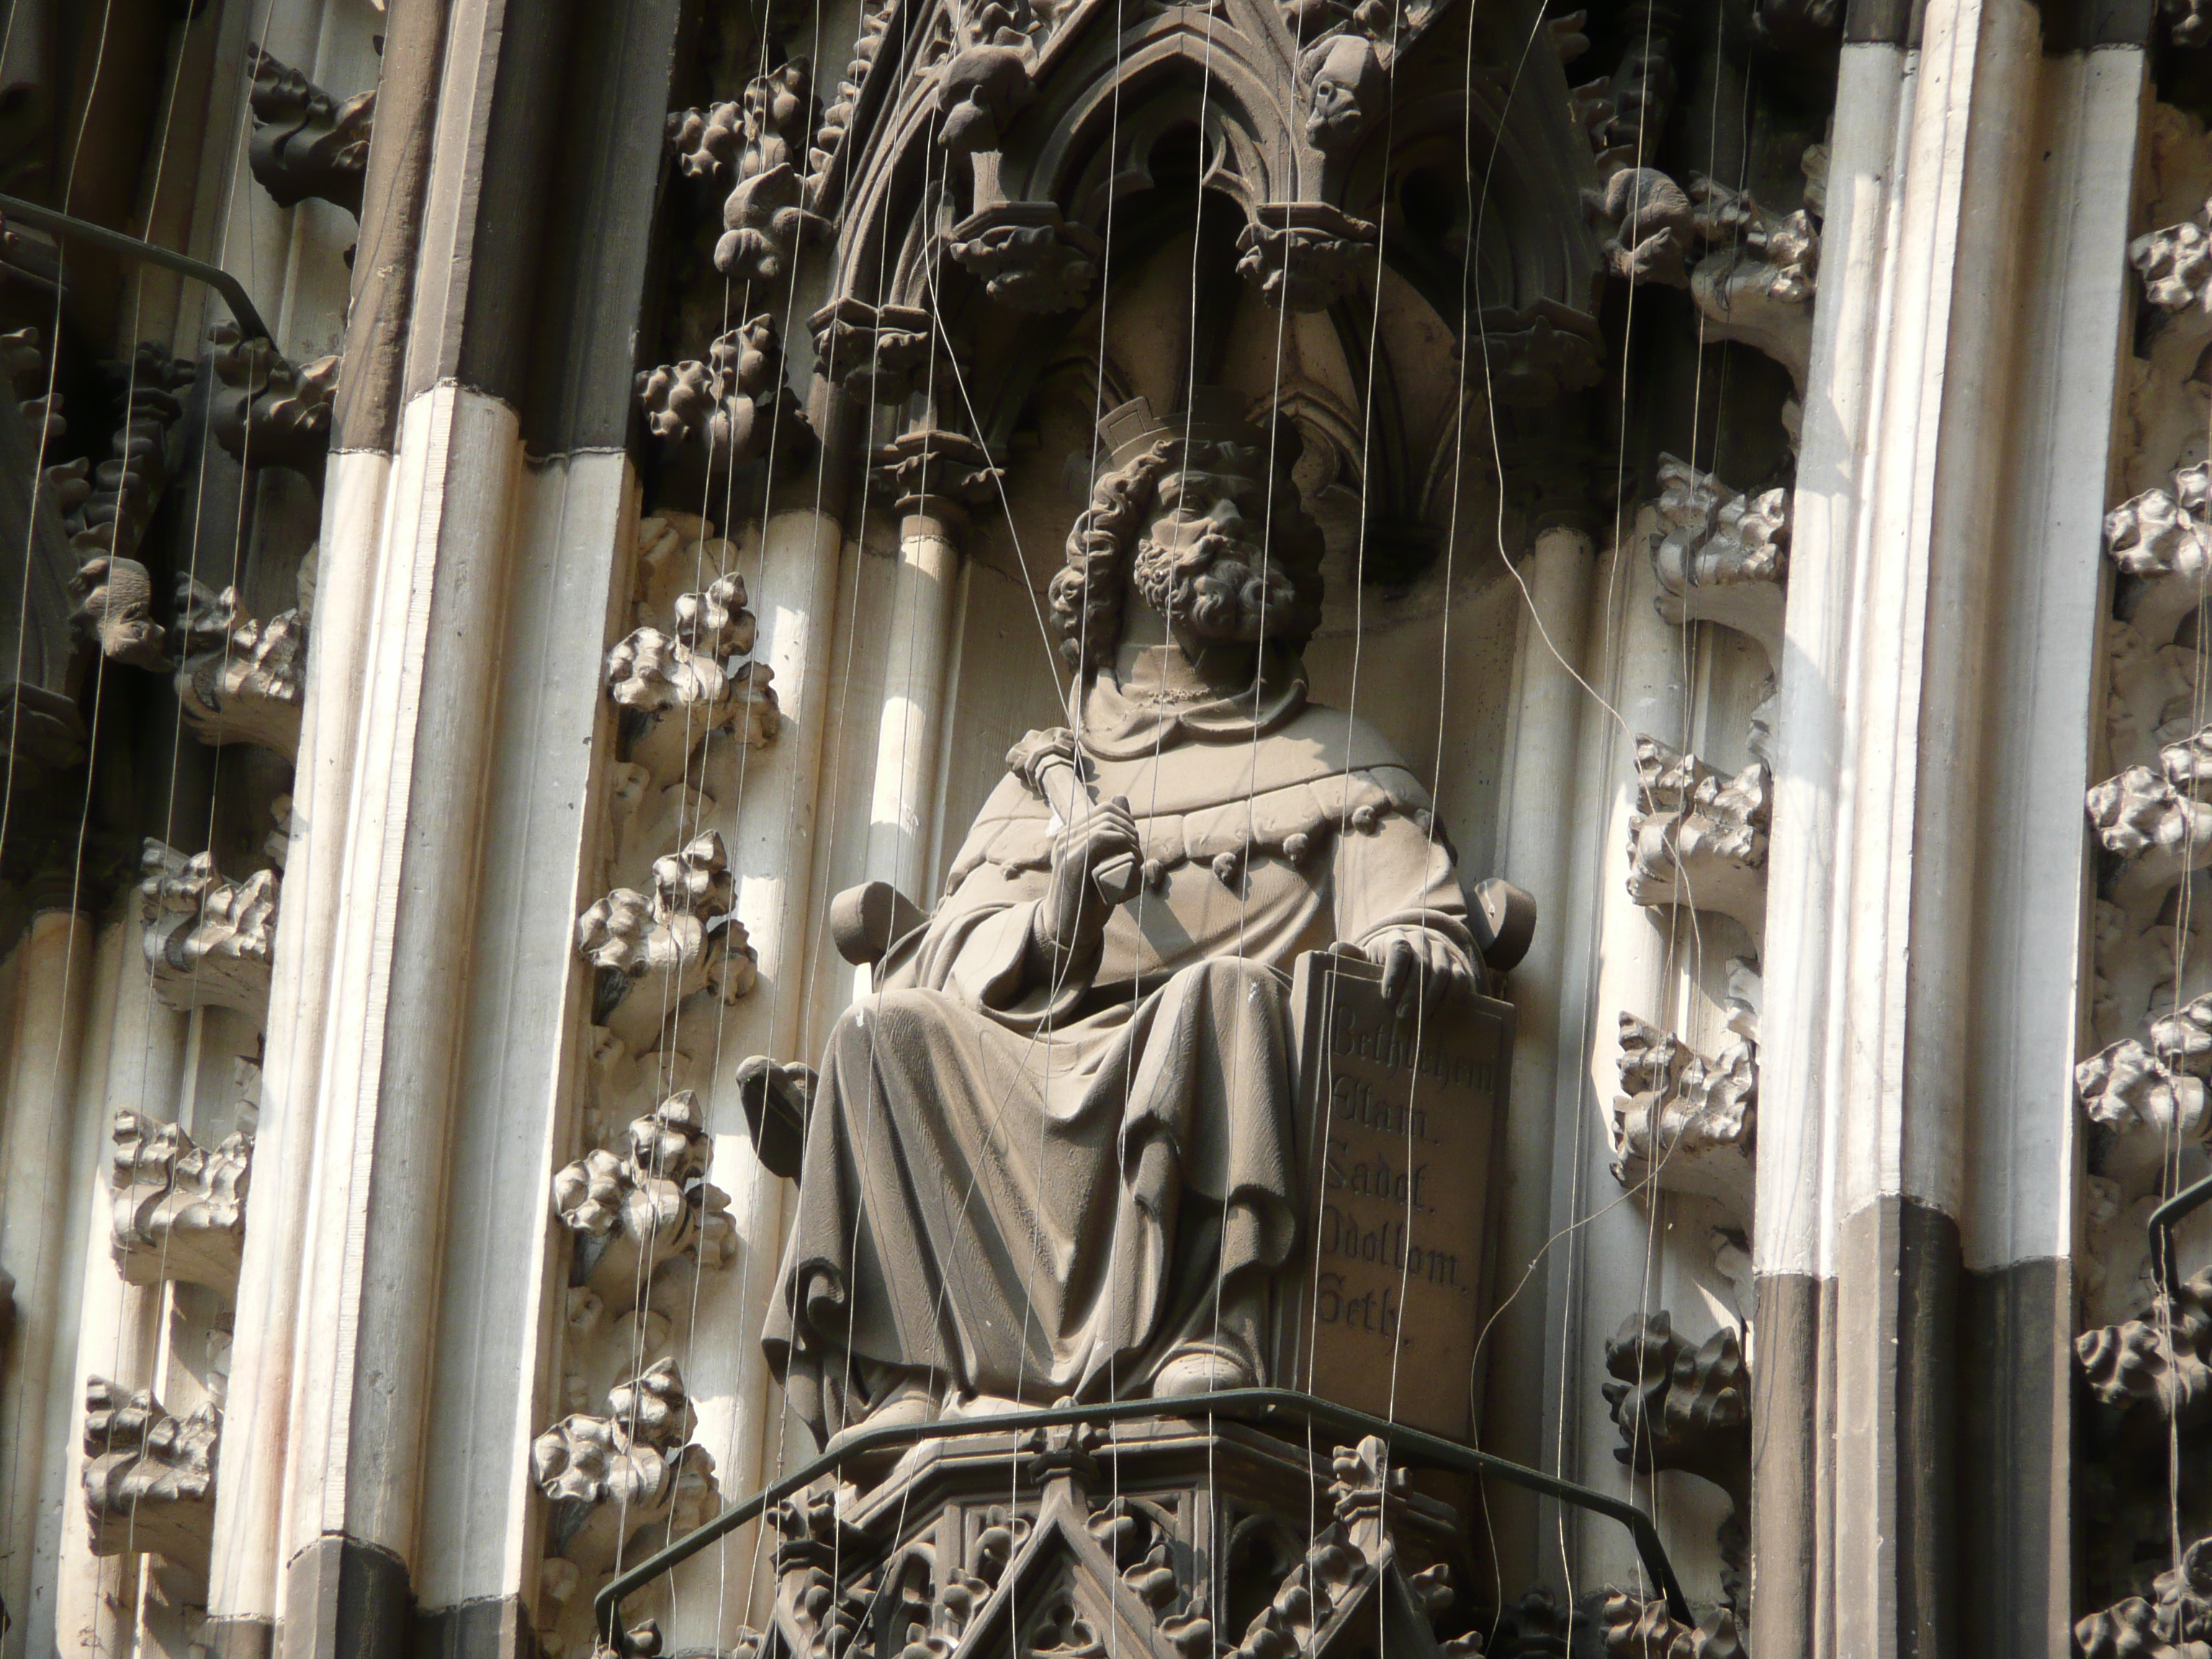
x,y
912,1401
1201,1368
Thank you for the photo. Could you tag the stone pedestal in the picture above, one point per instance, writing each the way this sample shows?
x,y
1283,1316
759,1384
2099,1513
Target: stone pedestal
x,y
1160,1539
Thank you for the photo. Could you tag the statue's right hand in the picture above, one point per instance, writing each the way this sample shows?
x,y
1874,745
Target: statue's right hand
x,y
1072,917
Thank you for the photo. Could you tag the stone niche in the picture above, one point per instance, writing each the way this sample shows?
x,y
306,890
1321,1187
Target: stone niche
x,y
1395,1129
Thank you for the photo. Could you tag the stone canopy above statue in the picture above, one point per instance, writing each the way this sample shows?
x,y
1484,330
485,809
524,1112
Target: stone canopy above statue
x,y
1054,1153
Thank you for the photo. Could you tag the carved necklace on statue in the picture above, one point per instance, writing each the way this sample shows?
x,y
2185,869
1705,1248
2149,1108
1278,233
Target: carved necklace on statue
x,y
1124,720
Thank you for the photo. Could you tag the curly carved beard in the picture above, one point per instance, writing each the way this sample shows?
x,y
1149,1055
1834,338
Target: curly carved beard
x,y
1215,587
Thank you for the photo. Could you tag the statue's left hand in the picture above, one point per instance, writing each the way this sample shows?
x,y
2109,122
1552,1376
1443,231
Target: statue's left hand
x,y
1418,969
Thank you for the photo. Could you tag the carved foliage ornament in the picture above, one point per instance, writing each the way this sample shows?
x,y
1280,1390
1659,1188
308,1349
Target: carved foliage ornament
x,y
1687,1408
1723,556
653,953
149,1477
646,1203
611,1478
710,419
1755,271
209,940
1685,1120
239,679
178,1212
1698,838
280,414
765,219
307,143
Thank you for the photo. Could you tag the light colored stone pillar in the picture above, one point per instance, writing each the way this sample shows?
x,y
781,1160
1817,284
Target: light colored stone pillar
x,y
1874,840
119,1324
775,817
916,645
1549,717
54,976
2046,665
249,1486
522,1042
361,1385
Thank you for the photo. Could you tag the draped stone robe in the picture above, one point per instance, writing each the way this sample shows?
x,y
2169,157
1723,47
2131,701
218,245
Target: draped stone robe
x,y
1040,1191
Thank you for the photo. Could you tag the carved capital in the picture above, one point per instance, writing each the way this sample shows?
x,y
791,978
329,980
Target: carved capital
x,y
239,679
179,1213
628,1478
880,353
209,940
305,143
1305,256
1028,256
1697,838
1725,555
149,1477
938,475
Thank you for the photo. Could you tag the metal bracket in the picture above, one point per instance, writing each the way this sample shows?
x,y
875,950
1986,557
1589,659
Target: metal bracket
x,y
65,224
2160,1228
1266,1407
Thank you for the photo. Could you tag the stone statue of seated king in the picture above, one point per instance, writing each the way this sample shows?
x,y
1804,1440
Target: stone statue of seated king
x,y
1051,1155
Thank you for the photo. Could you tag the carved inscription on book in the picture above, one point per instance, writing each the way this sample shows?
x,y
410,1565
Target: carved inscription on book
x,y
1395,1126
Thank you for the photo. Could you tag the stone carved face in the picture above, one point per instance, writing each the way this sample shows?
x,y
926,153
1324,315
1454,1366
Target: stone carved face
x,y
1341,72
1203,562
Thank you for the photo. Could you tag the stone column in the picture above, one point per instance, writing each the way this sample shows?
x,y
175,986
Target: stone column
x,y
1539,780
54,978
243,1593
1875,853
1614,955
310,923
776,818
361,1394
938,476
2047,665
148,1050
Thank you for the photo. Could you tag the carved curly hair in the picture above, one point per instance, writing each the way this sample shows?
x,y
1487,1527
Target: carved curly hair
x,y
1086,590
